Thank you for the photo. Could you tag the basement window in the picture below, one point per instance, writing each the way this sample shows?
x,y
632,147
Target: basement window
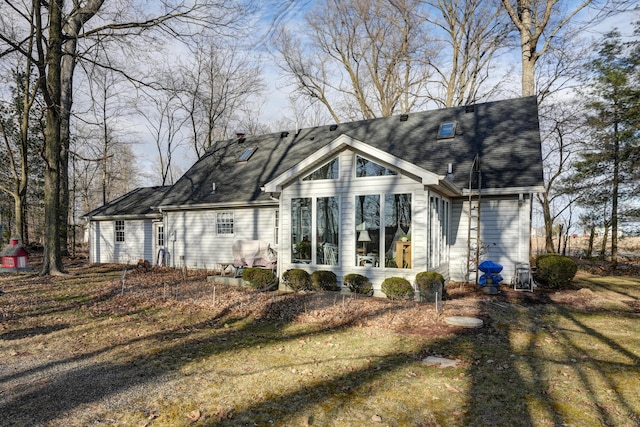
x,y
246,154
447,130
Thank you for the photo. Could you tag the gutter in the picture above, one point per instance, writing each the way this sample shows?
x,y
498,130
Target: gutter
x,y
507,191
213,206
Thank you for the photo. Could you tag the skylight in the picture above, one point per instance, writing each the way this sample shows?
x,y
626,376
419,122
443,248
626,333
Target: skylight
x,y
447,130
247,154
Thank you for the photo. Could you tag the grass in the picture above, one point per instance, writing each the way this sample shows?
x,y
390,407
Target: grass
x,y
77,350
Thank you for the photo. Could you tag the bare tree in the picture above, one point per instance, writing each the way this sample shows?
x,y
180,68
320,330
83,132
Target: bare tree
x,y
164,120
56,32
539,24
362,59
17,126
475,32
215,84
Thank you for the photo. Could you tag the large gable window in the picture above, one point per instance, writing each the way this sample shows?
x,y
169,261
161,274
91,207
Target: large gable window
x,y
119,230
366,167
224,223
327,171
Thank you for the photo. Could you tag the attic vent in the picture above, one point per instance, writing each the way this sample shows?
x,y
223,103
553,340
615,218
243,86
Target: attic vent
x,y
469,108
284,134
447,130
246,154
404,117
333,127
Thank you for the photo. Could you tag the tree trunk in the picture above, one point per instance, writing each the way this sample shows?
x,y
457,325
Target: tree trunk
x,y
592,235
548,226
605,238
52,262
614,198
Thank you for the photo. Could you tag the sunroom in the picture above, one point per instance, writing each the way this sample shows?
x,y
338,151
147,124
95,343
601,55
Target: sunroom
x,y
360,210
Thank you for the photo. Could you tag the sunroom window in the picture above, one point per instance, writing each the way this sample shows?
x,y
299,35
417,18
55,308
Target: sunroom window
x,y
315,244
366,167
326,171
388,245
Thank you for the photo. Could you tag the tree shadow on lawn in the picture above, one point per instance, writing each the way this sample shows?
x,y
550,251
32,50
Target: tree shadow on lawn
x,y
498,393
526,379
46,392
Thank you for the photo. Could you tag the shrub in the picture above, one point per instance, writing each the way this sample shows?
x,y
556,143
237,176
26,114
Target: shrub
x,y
324,279
297,280
397,288
358,284
555,271
428,283
259,277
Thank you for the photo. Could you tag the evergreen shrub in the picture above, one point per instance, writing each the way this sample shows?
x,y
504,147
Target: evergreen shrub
x,y
555,271
397,288
358,284
297,280
324,279
259,277
428,283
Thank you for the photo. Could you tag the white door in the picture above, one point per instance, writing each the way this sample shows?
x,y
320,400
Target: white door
x,y
159,250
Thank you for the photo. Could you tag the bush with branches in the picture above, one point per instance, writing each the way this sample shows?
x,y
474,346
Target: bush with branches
x,y
555,271
397,288
324,279
428,283
297,280
358,284
259,278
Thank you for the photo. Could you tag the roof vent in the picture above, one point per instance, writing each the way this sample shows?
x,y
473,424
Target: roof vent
x,y
213,188
333,127
404,117
284,134
469,108
240,137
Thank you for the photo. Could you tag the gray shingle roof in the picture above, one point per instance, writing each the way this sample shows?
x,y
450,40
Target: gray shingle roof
x,y
505,134
135,203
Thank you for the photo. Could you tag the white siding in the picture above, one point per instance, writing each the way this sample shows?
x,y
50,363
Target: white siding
x,y
191,236
101,241
504,228
137,243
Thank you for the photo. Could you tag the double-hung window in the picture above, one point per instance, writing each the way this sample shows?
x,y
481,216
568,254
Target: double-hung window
x,y
224,223
119,231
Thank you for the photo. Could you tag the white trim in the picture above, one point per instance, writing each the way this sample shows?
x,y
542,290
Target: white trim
x,y
225,205
339,144
153,216
508,191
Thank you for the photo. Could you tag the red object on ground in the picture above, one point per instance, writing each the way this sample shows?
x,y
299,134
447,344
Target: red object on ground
x,y
14,255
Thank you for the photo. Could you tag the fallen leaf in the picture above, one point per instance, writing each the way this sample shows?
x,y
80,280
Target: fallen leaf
x,y
451,388
194,416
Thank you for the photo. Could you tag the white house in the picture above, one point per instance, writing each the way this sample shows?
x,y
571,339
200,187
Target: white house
x,y
382,197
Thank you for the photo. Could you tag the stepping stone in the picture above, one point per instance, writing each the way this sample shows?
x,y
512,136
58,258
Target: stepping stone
x,y
440,361
464,321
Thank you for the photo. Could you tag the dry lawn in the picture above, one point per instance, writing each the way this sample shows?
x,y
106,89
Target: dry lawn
x,y
162,350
